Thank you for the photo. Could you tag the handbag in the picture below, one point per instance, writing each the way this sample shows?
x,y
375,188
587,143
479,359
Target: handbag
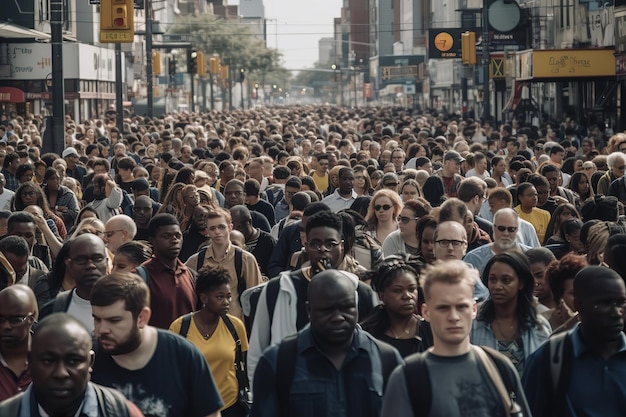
x,y
244,397
511,407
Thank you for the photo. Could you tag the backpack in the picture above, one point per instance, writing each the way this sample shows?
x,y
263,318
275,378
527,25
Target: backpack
x,y
274,194
559,352
142,271
285,368
417,379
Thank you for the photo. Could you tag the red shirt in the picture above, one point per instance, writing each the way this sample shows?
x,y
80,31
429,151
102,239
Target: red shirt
x,y
172,293
10,384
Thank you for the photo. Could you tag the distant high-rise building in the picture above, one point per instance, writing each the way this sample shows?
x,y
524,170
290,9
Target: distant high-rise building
x,y
326,46
251,9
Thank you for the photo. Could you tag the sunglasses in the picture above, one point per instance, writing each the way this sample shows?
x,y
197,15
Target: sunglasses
x,y
391,184
510,229
405,220
385,207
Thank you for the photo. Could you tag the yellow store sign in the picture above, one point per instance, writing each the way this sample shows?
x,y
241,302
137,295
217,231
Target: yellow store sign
x,y
573,63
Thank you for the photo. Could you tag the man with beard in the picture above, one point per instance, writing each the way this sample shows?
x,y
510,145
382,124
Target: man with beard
x,y
60,364
581,372
505,228
86,264
164,375
349,367
343,197
280,311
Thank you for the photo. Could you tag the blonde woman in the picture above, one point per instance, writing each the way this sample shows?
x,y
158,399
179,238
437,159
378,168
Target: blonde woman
x,y
382,214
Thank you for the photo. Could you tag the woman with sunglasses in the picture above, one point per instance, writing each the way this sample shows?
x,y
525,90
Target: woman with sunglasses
x,y
507,321
394,321
404,240
382,214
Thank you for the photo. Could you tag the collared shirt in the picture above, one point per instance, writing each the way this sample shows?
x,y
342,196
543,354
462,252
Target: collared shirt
x,y
318,388
172,292
11,384
88,408
337,202
11,181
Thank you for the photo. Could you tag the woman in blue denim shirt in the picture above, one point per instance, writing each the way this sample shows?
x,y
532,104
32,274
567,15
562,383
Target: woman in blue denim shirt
x,y
508,320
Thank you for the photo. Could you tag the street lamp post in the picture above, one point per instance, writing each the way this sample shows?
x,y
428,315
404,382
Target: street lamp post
x,y
148,9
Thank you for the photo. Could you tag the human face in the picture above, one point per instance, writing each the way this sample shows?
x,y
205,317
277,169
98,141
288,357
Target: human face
x,y
200,216
53,182
504,284
409,192
217,301
19,263
87,263
505,239
451,167
117,331
528,199
618,167
332,255
333,314
167,242
191,198
359,180
60,368
450,310
397,158
553,179
29,196
557,157
406,222
452,234
575,244
122,263
583,186
400,295
219,230
543,193
234,195
11,335
322,165
142,212
346,182
500,168
542,289
602,309
228,173
383,208
427,244
289,193
115,236
25,230
255,170
26,176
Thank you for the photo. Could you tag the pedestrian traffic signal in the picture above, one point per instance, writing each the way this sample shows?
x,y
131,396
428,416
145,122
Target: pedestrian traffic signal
x,y
468,48
200,65
156,63
117,20
242,75
171,66
192,64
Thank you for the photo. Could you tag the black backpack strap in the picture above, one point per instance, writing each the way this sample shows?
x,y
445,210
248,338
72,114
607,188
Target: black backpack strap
x,y
388,360
557,361
285,368
142,271
505,369
184,325
111,402
418,384
242,377
201,256
241,283
62,301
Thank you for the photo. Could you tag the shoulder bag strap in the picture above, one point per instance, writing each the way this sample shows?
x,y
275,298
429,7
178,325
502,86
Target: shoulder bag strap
x,y
418,384
184,325
285,368
240,370
495,377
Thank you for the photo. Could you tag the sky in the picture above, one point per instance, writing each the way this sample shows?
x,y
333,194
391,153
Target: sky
x,y
296,26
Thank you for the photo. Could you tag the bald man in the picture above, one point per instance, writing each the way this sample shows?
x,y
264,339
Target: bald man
x,y
331,345
60,363
18,312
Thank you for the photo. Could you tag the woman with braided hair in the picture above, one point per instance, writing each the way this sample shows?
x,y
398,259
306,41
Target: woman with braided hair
x,y
395,320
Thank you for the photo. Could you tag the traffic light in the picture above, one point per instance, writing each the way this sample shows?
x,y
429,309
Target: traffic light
x,y
171,66
200,65
192,64
117,20
156,63
224,72
468,48
214,65
242,75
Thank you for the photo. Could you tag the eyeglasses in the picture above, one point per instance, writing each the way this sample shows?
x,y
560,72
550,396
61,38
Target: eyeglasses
x,y
405,220
447,242
327,246
510,229
15,321
84,260
607,306
385,207
28,193
112,232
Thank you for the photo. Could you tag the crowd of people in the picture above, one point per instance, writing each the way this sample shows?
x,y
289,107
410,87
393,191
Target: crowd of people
x,y
318,261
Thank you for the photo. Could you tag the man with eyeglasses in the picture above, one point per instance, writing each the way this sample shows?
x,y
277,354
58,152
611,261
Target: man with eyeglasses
x,y
85,265
505,227
240,264
343,197
281,311
589,361
119,230
18,313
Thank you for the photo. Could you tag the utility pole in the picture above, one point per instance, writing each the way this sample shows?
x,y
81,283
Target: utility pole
x,y
486,59
58,81
148,9
119,104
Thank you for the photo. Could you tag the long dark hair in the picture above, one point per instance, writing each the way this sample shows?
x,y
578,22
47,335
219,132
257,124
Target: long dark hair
x,y
526,312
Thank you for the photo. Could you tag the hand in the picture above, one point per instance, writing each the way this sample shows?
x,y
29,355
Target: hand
x,y
61,209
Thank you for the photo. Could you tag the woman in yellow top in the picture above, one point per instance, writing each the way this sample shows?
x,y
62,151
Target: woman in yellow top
x,y
527,209
209,333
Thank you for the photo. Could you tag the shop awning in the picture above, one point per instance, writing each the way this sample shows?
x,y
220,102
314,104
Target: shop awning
x,y
9,30
12,95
